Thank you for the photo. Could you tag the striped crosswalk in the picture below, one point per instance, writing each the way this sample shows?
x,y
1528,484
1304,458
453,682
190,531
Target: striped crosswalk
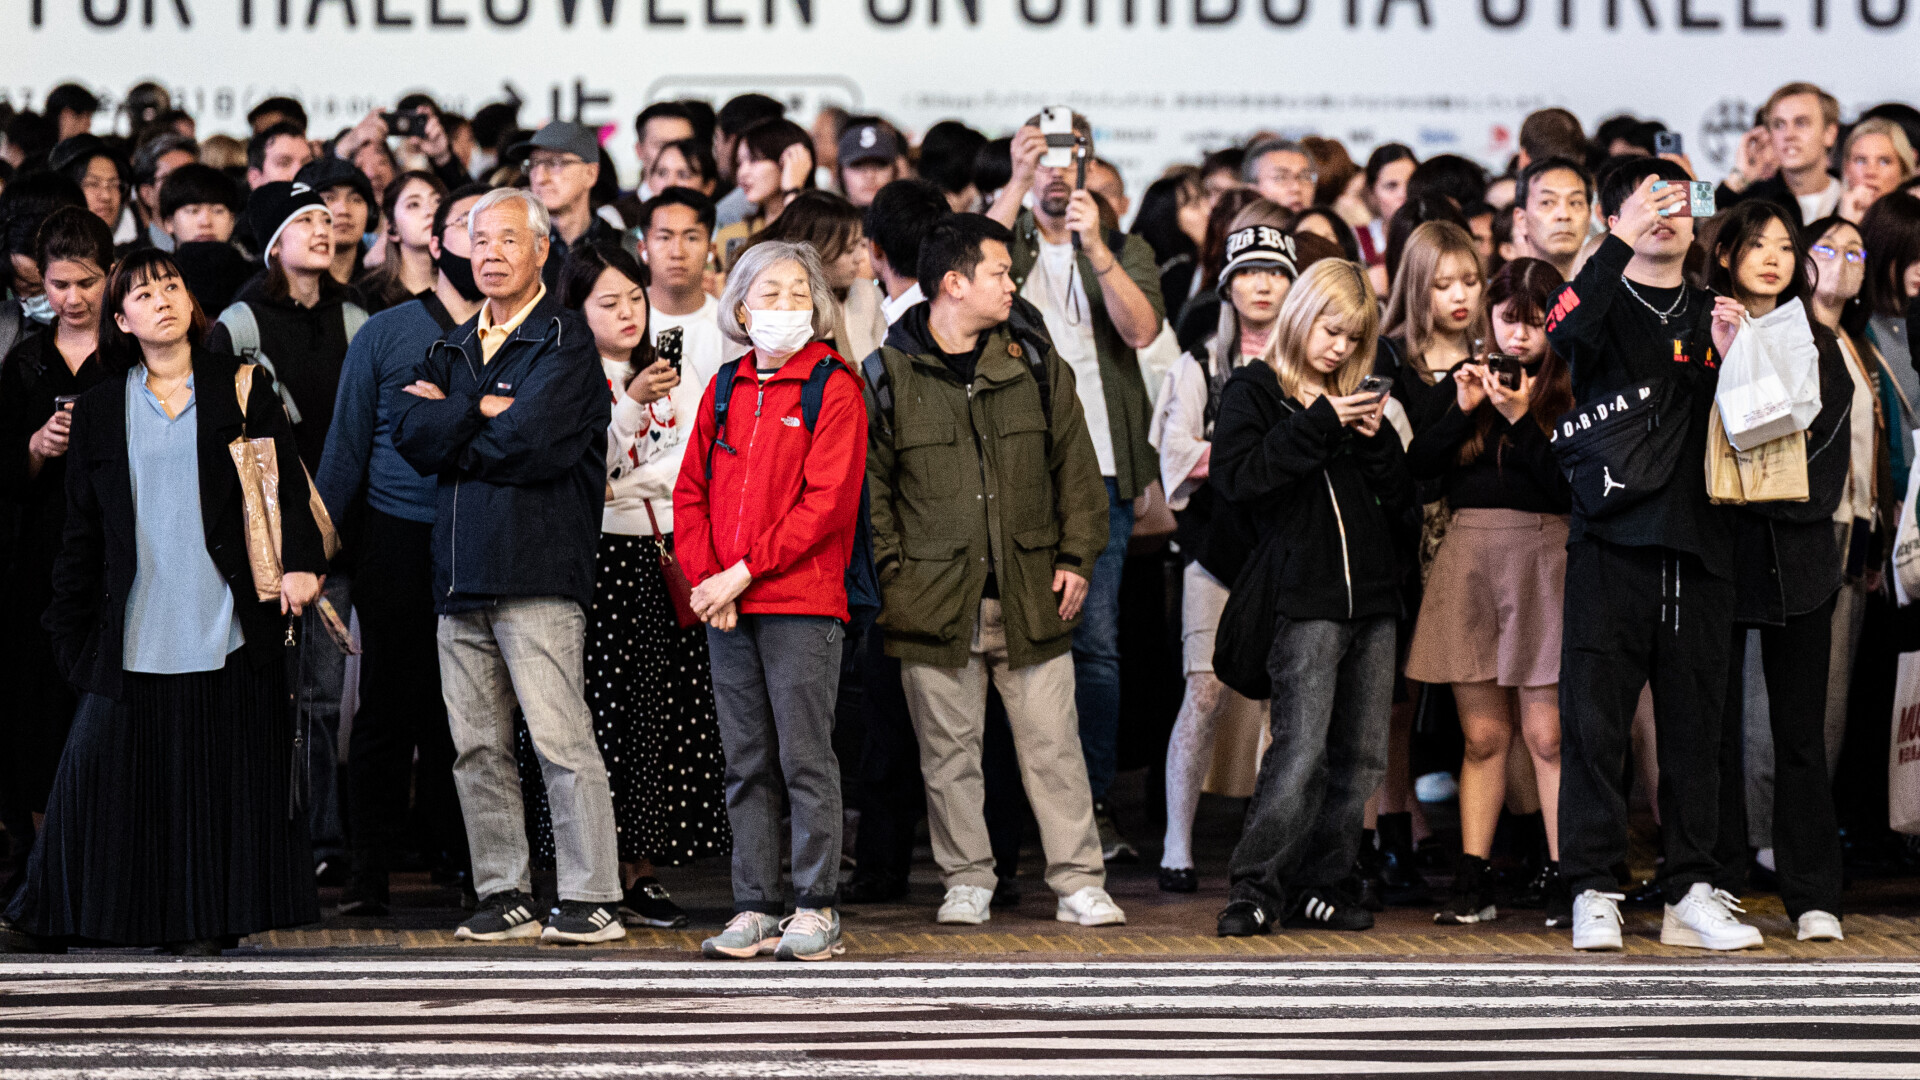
x,y
601,1016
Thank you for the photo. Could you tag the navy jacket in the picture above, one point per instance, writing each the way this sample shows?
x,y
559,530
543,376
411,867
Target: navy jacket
x,y
360,452
520,495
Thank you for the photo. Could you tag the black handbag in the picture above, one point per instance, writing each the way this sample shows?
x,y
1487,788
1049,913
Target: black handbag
x,y
1248,624
1620,449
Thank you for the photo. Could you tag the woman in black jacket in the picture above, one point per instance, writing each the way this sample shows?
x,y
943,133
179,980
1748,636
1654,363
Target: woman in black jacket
x,y
1302,450
168,823
38,383
1787,571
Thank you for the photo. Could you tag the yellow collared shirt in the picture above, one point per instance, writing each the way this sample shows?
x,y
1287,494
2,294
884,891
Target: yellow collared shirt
x,y
491,336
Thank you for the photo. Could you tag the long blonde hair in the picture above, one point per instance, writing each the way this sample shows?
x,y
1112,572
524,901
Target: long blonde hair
x,y
1410,304
1337,288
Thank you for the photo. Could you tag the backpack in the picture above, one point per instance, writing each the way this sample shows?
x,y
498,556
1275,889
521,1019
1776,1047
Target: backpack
x,y
862,583
243,329
1028,328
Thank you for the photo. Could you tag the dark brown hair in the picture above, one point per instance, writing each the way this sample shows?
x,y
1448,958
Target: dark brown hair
x,y
581,272
382,283
820,218
1525,288
120,350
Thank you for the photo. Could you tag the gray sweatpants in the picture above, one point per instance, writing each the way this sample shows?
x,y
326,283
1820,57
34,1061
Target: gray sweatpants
x,y
775,680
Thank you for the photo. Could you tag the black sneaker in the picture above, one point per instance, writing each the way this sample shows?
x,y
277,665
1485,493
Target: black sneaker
x,y
365,896
1006,893
1365,888
582,922
1401,882
647,903
874,887
503,915
1559,898
1320,909
1179,879
1114,846
1471,900
1243,918
1648,894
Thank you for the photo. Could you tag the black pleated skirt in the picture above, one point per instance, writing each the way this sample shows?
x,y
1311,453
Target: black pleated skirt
x,y
168,817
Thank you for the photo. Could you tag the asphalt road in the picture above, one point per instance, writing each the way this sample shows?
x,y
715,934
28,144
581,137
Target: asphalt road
x,y
610,1017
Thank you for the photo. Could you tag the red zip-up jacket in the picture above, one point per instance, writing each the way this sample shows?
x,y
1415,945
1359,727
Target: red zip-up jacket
x,y
784,500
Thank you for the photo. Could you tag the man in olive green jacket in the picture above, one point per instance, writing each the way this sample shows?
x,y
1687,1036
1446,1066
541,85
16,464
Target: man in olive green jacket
x,y
1099,290
988,514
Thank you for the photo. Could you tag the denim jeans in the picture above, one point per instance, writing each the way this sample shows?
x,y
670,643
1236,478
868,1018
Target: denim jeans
x,y
527,650
775,682
1332,692
323,675
1096,650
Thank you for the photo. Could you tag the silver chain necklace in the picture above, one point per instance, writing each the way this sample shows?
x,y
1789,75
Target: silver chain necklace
x,y
1679,302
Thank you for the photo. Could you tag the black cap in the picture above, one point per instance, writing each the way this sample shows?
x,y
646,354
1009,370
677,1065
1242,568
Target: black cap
x,y
868,142
1257,245
561,137
272,206
328,171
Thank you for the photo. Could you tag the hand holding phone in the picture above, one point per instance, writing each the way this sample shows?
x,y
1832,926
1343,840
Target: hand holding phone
x,y
1056,124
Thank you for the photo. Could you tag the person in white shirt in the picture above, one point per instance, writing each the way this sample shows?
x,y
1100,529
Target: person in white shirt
x,y
897,221
1260,268
676,235
646,672
1802,126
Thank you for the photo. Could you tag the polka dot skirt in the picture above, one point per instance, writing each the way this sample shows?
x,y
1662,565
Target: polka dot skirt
x,y
648,685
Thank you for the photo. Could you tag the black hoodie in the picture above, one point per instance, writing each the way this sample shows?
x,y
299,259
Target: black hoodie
x,y
306,347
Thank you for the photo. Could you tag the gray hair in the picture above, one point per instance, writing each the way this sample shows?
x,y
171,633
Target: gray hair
x,y
757,260
538,219
1268,146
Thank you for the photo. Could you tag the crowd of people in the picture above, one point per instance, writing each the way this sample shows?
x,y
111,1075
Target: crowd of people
x,y
793,487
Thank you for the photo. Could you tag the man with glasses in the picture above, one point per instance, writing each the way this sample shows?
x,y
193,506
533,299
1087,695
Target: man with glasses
x,y
563,162
1282,172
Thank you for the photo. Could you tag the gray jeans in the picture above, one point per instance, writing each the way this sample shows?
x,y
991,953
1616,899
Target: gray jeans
x,y
527,650
775,679
1332,691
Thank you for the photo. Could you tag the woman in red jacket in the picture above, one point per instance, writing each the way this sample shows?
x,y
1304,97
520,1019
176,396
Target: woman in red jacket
x,y
765,511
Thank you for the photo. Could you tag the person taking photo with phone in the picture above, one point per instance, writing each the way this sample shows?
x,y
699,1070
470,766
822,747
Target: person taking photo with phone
x,y
1303,449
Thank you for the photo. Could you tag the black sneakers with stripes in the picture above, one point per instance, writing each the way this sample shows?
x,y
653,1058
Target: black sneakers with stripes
x,y
1322,909
502,915
583,922
1243,918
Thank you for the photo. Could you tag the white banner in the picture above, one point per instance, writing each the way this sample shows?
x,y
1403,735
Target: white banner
x,y
1162,80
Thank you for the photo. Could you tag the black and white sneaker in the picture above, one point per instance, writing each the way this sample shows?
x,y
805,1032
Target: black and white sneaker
x,y
647,903
1321,910
503,915
583,922
1471,899
1243,918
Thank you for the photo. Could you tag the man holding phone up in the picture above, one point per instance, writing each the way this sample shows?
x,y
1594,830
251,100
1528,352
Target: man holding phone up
x,y
1649,588
1099,290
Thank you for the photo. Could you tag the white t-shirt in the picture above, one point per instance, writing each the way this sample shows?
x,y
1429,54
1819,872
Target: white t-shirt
x,y
1054,287
1821,203
703,347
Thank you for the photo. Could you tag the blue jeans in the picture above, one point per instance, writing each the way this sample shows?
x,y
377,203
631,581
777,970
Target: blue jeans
x,y
1096,650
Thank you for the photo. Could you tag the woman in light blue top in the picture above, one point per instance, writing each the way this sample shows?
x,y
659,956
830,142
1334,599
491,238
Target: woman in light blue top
x,y
169,822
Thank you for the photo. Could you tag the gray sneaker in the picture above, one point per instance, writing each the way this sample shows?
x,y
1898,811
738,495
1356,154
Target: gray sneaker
x,y
810,934
751,933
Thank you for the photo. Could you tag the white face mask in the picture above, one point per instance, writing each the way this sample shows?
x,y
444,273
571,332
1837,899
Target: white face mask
x,y
39,309
780,333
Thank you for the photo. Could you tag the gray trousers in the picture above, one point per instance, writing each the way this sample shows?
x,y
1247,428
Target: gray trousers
x,y
775,680
1332,691
527,650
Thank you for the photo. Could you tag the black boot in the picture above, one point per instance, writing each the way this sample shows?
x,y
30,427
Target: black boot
x,y
1471,899
1367,863
1404,887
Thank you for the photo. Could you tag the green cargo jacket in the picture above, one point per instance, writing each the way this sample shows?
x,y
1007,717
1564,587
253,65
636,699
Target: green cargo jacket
x,y
1129,407
964,479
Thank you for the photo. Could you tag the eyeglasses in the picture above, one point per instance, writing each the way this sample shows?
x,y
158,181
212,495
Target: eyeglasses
x,y
552,164
1828,253
1283,176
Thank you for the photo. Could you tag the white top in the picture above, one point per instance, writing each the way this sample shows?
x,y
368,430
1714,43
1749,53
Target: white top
x,y
1179,427
1055,288
646,442
1858,502
1821,203
897,306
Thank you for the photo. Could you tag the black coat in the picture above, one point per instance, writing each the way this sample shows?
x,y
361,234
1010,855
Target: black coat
x,y
307,346
520,495
1322,498
1787,558
94,573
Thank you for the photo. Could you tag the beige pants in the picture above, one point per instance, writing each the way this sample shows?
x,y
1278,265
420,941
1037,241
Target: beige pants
x,y
949,708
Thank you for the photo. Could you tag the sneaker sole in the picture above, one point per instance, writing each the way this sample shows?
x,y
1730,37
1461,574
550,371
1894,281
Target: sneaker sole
x,y
1821,937
1691,939
1089,920
721,952
955,919
1608,945
828,953
613,931
525,929
1485,914
630,917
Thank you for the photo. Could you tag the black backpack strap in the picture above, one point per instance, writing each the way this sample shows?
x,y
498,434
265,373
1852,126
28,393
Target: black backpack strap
x,y
875,367
814,391
722,397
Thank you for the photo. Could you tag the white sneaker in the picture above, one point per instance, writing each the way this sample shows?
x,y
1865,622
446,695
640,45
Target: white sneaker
x,y
1819,925
1703,919
1091,906
1596,920
966,905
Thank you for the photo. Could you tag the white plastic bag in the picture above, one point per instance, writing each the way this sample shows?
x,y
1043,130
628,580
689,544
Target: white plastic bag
x,y
1906,542
1903,756
1770,378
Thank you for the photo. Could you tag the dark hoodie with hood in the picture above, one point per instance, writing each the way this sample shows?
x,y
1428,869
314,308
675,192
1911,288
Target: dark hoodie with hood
x,y
306,347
